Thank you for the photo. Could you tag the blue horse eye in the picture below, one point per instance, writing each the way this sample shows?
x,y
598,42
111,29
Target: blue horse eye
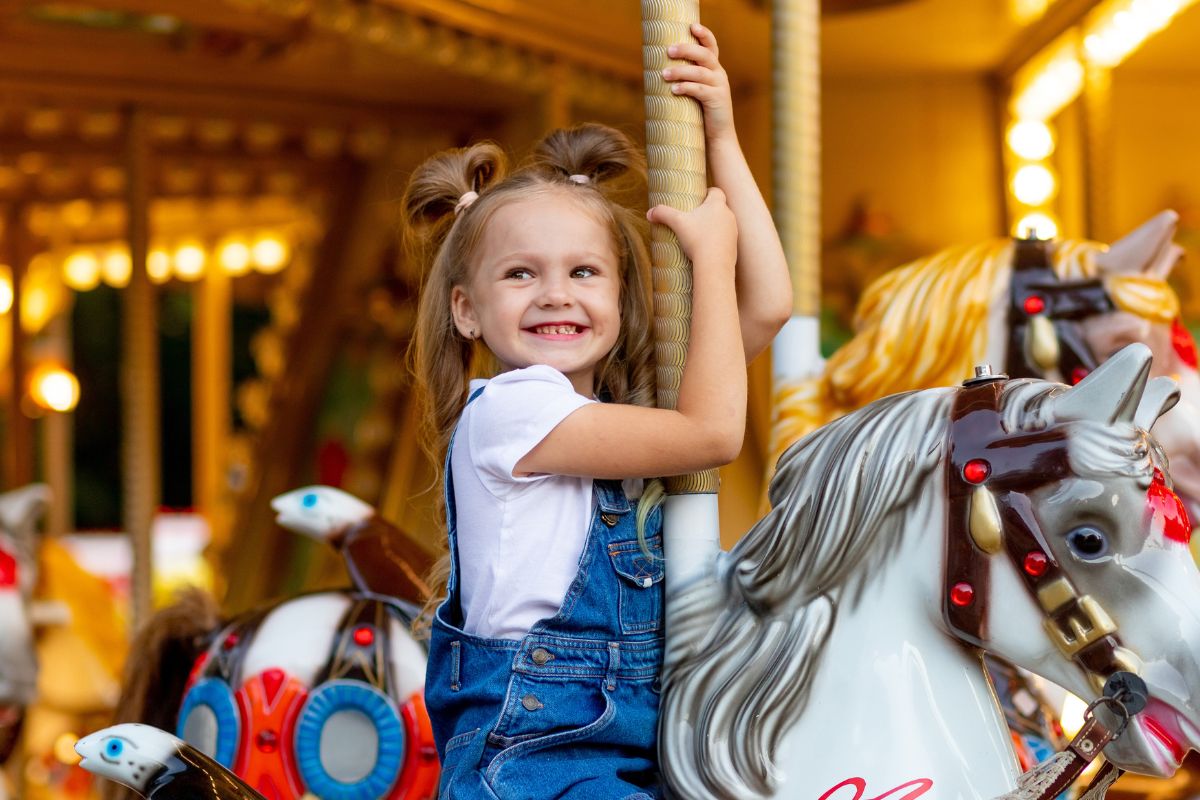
x,y
309,500
114,747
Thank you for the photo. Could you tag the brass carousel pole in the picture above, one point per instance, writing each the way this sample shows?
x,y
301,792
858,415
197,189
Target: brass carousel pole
x,y
140,437
677,177
18,443
796,352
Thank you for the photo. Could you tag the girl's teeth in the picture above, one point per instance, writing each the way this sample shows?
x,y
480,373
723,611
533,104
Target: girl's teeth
x,y
556,329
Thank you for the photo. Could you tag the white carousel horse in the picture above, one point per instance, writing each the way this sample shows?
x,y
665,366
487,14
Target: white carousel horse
x,y
837,654
20,511
1050,310
321,694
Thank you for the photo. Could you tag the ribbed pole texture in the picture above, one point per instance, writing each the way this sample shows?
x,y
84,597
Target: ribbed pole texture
x,y
675,156
796,29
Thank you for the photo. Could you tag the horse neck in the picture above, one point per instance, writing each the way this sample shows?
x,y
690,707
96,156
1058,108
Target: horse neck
x,y
897,702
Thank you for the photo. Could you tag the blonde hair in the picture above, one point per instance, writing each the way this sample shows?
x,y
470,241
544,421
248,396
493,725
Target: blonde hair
x,y
444,237
925,324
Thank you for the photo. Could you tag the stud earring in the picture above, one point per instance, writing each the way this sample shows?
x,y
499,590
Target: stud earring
x,y
472,336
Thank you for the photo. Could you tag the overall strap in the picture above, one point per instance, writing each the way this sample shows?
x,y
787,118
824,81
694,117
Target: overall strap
x,y
451,515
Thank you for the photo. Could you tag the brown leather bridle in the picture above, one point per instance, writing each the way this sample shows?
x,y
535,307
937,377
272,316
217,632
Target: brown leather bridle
x,y
989,475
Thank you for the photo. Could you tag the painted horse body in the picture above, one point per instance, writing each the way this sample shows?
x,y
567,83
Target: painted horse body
x,y
831,658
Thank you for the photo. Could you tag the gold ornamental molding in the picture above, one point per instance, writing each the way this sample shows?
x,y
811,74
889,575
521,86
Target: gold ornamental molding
x,y
509,43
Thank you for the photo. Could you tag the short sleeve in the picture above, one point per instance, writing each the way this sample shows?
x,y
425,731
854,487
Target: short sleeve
x,y
512,415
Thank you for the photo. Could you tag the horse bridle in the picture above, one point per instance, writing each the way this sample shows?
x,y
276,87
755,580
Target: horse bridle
x,y
989,475
1044,314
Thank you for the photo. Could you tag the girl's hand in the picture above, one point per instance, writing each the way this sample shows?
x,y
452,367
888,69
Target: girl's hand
x,y
707,232
705,80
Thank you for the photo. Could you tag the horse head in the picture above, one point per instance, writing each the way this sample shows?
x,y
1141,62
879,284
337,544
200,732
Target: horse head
x,y
1062,548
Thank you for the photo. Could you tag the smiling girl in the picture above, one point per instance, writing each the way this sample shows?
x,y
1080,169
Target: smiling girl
x,y
546,651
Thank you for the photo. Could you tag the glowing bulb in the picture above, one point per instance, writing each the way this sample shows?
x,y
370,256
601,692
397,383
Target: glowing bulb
x,y
1039,224
54,388
1031,139
1033,184
235,258
189,261
158,266
6,289
81,271
270,254
116,267
1071,717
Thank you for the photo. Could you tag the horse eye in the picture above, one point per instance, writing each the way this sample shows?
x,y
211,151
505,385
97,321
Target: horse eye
x,y
1087,543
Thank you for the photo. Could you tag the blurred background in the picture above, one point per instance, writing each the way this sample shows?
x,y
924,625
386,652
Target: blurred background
x,y
203,302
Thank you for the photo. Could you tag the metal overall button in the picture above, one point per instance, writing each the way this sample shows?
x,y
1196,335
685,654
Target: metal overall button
x,y
541,655
531,702
608,518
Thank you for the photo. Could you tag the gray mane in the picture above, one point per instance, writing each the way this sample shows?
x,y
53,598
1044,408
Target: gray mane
x,y
838,498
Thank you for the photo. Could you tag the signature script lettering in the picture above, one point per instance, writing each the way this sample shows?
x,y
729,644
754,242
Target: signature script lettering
x,y
905,791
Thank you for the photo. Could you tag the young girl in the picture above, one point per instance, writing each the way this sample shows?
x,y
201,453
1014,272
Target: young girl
x,y
545,654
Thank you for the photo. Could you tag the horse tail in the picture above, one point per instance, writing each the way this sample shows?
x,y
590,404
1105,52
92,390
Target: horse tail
x,y
160,662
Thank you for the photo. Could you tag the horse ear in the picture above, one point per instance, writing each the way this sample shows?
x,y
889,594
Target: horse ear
x,y
20,511
1160,397
1147,250
1112,392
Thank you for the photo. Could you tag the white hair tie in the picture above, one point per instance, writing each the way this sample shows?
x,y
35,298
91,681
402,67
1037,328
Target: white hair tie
x,y
582,180
465,200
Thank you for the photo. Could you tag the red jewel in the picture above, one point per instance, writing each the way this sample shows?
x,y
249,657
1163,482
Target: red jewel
x,y
8,570
1184,345
231,641
1036,563
1034,304
364,636
1078,374
267,741
962,594
977,470
1164,504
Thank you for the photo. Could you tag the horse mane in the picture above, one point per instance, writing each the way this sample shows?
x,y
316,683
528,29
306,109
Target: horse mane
x,y
831,496
838,498
921,325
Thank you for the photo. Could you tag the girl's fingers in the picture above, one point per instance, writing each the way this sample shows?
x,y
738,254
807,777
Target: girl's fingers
x,y
690,51
705,37
700,91
690,72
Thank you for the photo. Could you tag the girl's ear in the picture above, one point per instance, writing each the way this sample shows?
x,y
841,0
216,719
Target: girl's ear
x,y
463,311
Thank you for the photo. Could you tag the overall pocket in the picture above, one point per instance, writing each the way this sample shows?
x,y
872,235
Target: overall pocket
x,y
639,579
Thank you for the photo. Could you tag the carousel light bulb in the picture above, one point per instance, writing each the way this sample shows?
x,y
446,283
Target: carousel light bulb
x,y
6,289
116,267
1038,223
270,254
1034,184
235,258
1031,139
189,261
54,388
81,271
158,266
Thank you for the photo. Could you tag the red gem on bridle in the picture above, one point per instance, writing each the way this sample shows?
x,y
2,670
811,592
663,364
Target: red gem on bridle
x,y
1184,344
1166,508
8,569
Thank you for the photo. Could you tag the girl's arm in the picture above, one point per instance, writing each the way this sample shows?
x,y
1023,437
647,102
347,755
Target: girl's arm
x,y
764,286
612,440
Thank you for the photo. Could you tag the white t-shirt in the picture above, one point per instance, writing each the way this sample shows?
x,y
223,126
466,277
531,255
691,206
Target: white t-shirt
x,y
519,538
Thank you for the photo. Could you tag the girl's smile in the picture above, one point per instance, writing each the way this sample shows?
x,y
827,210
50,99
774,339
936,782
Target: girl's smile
x,y
547,288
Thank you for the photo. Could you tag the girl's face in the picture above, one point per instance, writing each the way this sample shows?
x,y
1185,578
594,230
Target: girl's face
x,y
546,288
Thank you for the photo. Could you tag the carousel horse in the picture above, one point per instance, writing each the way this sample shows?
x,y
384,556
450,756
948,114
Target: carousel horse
x,y
20,511
835,654
1041,309
320,694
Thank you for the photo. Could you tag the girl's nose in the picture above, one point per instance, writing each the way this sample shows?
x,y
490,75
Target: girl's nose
x,y
555,293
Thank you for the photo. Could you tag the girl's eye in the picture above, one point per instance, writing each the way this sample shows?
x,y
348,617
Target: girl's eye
x,y
583,272
1088,543
519,274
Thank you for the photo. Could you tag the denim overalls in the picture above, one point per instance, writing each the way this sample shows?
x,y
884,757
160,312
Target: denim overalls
x,y
570,710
